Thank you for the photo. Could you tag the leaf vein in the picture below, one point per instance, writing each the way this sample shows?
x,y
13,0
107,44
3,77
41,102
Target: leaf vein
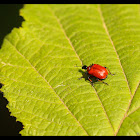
x,y
105,27
48,84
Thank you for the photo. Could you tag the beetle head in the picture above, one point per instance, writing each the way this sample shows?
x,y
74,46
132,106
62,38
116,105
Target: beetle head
x,y
84,67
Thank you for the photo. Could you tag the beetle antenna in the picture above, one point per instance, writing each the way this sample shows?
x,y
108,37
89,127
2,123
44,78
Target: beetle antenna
x,y
77,66
109,71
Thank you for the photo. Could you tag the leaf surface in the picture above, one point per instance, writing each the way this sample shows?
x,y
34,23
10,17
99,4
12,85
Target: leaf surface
x,y
41,81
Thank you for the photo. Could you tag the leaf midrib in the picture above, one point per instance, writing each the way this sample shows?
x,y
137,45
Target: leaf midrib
x,y
81,65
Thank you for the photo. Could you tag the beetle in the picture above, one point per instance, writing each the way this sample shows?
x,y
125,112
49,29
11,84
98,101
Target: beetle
x,y
97,71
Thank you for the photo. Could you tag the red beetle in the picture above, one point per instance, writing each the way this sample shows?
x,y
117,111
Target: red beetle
x,y
97,71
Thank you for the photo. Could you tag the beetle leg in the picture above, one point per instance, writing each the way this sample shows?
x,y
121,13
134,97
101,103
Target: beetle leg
x,y
109,71
82,76
90,79
102,81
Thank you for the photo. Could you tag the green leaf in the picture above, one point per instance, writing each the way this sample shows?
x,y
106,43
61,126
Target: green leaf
x,y
41,81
